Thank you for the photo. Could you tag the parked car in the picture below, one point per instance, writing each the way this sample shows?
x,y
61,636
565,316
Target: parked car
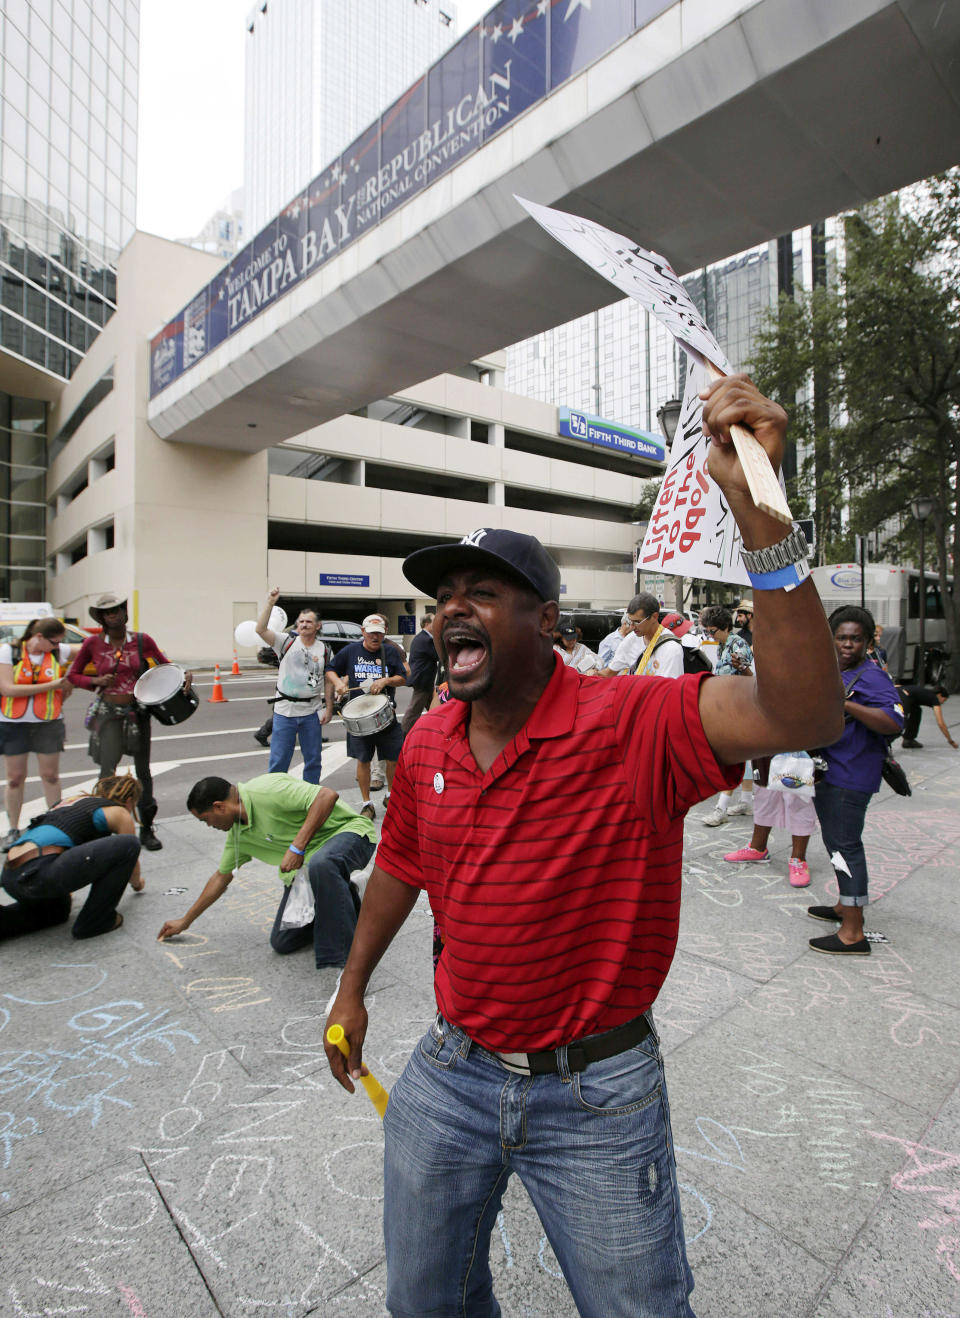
x,y
595,624
338,633
13,631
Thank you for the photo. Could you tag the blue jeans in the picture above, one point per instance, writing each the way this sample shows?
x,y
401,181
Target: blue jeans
x,y
842,813
283,739
594,1151
336,902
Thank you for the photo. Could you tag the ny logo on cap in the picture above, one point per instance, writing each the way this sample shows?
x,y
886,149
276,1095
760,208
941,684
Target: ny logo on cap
x,y
473,538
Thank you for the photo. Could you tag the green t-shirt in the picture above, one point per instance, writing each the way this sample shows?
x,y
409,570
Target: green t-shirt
x,y
276,806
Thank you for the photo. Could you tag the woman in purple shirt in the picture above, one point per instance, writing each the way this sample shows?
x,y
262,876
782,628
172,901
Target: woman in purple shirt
x,y
854,768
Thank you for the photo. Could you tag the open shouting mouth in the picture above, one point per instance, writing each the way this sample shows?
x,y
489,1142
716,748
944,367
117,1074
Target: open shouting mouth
x,y
466,651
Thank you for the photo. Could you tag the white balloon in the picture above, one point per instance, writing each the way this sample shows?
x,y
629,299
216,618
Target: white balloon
x,y
278,619
246,634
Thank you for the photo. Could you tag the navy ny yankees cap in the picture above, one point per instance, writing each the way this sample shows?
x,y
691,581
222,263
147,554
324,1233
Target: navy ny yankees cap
x,y
521,557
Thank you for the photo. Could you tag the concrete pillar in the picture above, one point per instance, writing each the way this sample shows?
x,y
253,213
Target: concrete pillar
x,y
496,435
496,494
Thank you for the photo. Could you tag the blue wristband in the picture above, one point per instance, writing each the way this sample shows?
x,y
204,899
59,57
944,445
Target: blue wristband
x,y
784,578
296,850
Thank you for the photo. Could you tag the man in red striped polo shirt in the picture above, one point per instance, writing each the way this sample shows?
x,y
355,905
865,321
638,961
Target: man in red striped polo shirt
x,y
543,812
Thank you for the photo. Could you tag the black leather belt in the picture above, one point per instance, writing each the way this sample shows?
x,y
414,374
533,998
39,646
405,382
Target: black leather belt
x,y
581,1052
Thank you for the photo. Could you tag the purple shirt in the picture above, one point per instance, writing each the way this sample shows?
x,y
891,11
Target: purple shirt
x,y
856,760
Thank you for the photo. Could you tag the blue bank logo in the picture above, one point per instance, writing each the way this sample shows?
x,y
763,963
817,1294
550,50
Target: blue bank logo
x,y
609,434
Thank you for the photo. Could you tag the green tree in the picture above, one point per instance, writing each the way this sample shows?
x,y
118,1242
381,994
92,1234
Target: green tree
x,y
880,353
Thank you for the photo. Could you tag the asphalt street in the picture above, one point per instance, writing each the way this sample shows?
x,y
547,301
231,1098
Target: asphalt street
x,y
217,738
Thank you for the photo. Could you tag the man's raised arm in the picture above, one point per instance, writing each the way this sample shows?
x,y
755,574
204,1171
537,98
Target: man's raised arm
x,y
386,904
264,631
795,701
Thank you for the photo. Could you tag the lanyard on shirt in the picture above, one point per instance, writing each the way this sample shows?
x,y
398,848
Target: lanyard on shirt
x,y
638,671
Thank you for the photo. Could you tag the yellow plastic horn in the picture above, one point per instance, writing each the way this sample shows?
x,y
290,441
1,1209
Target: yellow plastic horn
x,y
376,1093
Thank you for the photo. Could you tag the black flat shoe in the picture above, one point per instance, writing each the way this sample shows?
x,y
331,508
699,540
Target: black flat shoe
x,y
823,913
909,744
149,840
833,945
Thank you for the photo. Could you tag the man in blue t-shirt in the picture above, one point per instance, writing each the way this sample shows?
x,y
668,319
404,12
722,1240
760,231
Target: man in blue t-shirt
x,y
368,667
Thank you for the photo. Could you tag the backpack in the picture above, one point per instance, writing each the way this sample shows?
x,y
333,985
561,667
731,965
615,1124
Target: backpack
x,y
694,661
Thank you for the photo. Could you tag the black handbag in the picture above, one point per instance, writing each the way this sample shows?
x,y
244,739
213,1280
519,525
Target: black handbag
x,y
895,776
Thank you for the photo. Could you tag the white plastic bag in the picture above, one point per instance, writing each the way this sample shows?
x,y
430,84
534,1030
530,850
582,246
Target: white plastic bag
x,y
299,908
792,772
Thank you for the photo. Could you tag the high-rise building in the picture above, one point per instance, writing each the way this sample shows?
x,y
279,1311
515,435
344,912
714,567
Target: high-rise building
x,y
68,163
620,362
225,231
318,72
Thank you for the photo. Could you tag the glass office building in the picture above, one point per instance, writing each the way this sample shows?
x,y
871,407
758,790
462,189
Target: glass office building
x,y
317,75
23,476
620,363
68,162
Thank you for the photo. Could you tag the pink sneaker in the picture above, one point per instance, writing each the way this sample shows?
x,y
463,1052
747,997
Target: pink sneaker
x,y
799,872
749,853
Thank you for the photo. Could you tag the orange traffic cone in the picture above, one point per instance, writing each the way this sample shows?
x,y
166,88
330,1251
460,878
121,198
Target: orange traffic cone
x,y
235,670
218,698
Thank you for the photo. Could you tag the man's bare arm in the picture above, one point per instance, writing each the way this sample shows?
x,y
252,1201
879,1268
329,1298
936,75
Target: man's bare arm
x,y
264,631
316,816
386,904
214,888
942,725
796,699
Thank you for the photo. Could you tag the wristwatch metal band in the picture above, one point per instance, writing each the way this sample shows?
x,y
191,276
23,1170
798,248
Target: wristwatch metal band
x,y
791,549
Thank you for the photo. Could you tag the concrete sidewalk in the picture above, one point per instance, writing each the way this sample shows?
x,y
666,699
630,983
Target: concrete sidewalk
x,y
172,1146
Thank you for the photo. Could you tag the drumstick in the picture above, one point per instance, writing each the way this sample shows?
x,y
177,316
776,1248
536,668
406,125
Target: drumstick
x,y
376,1093
761,478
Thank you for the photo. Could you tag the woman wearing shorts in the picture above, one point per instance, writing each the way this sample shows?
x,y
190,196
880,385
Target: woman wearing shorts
x,y
32,691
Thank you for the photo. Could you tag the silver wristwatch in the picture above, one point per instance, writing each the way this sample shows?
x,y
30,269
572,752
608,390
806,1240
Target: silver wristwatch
x,y
793,549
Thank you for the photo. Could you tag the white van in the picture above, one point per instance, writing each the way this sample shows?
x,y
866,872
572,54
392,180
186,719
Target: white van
x,y
892,595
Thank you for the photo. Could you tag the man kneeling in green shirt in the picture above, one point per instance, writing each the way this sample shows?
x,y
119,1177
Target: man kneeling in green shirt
x,y
287,823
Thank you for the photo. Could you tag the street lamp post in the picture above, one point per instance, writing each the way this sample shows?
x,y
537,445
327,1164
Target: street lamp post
x,y
668,418
921,509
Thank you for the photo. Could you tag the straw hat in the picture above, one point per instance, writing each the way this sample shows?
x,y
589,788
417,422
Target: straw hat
x,y
105,602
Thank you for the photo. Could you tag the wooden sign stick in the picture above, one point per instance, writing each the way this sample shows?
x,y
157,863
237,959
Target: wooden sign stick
x,y
762,480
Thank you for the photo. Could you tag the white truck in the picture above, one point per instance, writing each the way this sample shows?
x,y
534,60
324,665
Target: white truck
x,y
892,595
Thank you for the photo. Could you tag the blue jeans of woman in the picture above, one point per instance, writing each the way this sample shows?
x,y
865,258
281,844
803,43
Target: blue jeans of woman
x,y
336,901
842,813
284,737
593,1149
43,886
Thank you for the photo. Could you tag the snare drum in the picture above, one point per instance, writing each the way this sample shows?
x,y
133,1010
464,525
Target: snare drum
x,y
160,690
364,716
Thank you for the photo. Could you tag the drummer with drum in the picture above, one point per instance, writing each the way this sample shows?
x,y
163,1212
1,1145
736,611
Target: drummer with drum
x,y
305,690
111,663
369,673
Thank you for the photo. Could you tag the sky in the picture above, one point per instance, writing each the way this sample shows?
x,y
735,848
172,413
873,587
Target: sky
x,y
190,149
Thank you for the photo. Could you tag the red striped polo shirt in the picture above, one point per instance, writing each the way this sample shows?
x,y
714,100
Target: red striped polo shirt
x,y
555,875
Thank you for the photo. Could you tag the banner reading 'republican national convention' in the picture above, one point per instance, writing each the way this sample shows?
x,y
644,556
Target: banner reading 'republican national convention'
x,y
521,52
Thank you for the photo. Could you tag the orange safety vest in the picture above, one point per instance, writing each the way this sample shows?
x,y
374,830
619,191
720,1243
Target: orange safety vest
x,y
47,704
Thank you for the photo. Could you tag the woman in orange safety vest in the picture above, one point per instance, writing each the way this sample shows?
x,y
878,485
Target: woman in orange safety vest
x,y
32,690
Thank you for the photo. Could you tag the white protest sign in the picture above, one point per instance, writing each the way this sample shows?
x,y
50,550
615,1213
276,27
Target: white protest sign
x,y
692,532
643,275
651,281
